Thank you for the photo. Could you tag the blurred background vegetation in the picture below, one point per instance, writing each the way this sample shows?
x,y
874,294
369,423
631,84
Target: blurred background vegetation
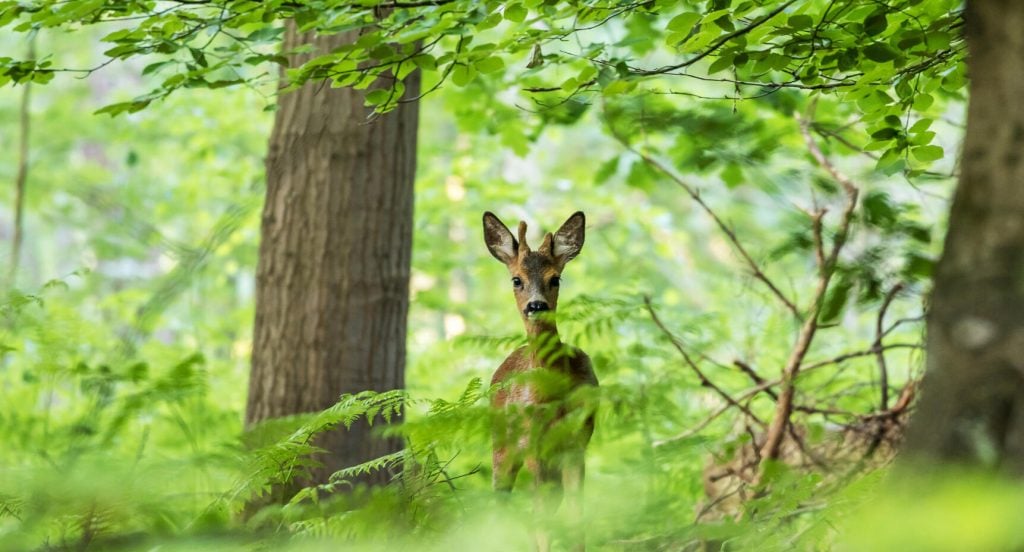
x,y
126,333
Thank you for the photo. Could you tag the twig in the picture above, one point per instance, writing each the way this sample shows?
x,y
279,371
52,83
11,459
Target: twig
x,y
718,43
906,396
767,385
749,371
714,415
865,352
718,500
754,376
902,321
751,263
704,381
804,449
883,372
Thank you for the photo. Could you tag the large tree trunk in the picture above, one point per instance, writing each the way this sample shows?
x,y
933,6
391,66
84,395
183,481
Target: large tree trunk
x,y
332,283
972,407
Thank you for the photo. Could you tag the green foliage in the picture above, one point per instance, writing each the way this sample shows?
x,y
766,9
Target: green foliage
x,y
122,383
891,59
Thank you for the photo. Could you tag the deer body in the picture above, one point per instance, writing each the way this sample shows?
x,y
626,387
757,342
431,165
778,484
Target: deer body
x,y
534,382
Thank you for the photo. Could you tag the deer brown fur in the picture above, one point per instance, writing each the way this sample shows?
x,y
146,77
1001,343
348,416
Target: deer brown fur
x,y
534,381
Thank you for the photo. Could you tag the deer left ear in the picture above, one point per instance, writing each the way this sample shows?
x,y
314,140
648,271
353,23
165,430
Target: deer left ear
x,y
568,241
499,239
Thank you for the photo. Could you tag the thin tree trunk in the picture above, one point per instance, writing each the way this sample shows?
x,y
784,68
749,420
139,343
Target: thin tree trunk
x,y
972,406
21,179
332,283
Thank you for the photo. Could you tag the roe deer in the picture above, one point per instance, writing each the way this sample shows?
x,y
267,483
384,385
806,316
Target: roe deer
x,y
534,380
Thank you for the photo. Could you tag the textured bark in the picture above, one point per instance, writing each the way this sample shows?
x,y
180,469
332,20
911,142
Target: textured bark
x,y
972,406
332,283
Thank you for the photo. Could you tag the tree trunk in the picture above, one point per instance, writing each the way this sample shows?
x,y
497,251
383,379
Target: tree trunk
x,y
972,406
332,282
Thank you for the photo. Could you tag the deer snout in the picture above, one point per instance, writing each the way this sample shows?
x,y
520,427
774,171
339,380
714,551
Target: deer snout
x,y
536,306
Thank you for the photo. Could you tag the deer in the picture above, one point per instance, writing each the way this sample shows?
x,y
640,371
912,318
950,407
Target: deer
x,y
533,384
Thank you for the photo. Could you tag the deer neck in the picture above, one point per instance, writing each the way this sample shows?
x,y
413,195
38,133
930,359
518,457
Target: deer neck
x,y
544,343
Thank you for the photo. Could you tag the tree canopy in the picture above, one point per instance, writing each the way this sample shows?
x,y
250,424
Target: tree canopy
x,y
891,59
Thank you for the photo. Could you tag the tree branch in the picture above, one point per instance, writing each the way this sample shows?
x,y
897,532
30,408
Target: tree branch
x,y
718,43
883,372
751,263
826,268
704,381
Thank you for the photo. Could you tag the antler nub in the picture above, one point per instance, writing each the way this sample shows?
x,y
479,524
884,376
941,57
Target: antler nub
x,y
523,246
546,245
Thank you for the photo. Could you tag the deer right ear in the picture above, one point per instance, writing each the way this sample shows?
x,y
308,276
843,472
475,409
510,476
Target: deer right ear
x,y
499,239
567,242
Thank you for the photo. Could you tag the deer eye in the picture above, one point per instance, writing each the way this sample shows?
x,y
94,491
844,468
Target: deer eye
x,y
555,281
517,282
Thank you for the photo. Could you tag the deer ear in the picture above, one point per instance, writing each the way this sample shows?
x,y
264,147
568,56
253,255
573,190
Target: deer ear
x,y
499,239
568,241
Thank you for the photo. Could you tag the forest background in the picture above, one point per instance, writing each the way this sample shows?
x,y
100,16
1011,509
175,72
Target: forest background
x,y
714,201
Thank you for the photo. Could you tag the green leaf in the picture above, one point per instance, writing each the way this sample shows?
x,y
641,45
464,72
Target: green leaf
x,y
154,67
918,266
876,23
683,23
620,86
198,56
880,52
923,101
836,299
489,22
927,154
122,107
891,161
490,64
879,210
516,13
887,133
404,69
732,175
223,83
425,62
382,52
606,170
800,21
462,74
377,97
698,42
922,138
265,34
722,63
921,125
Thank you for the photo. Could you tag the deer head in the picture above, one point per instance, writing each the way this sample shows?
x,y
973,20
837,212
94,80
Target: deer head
x,y
536,274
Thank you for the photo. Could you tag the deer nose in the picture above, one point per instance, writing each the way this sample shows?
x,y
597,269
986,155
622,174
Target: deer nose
x,y
536,306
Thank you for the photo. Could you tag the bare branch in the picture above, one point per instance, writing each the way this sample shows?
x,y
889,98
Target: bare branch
x,y
900,322
715,415
751,263
826,268
767,385
704,381
754,376
883,372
